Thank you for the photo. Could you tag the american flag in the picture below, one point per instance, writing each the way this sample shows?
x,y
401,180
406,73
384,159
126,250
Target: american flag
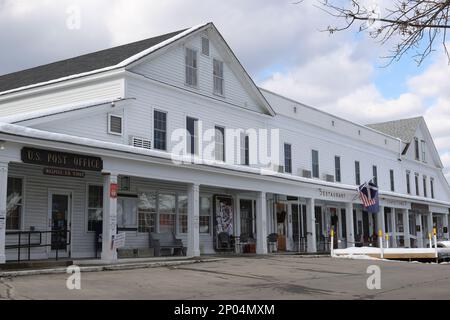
x,y
368,192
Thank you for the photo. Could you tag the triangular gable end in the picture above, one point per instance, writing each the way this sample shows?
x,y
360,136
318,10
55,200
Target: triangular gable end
x,y
147,66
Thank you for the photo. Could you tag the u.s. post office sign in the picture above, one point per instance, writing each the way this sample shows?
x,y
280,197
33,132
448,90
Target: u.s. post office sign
x,y
57,159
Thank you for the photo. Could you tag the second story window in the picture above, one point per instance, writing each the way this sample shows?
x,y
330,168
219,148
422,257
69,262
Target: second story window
x,y
337,168
375,175
425,191
245,149
408,182
391,175
220,143
160,130
357,173
205,46
191,67
287,158
192,135
218,77
416,178
315,164
432,187
416,149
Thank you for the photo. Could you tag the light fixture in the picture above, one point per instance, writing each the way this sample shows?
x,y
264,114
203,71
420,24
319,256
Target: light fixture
x,y
2,145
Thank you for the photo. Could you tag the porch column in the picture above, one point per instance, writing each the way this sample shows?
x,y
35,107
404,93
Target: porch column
x,y
261,223
430,223
406,231
394,227
193,249
311,225
109,217
290,230
350,227
381,223
419,233
3,194
445,226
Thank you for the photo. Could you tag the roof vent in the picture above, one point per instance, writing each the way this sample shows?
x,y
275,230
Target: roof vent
x,y
141,143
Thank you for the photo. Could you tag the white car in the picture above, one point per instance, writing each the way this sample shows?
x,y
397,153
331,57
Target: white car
x,y
443,244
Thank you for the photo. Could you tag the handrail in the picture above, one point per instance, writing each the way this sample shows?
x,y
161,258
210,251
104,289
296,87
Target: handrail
x,y
28,244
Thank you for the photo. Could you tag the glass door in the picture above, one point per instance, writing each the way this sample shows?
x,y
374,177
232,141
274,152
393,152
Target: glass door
x,y
59,204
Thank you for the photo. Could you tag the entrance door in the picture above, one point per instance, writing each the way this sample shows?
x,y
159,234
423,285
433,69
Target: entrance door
x,y
59,220
282,226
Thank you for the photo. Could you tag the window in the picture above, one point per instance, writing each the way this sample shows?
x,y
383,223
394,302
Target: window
x,y
160,130
247,218
391,174
375,175
432,187
167,213
357,173
417,184
192,131
183,214
416,148
205,215
191,67
218,77
424,156
287,158
315,163
425,191
337,168
147,212
115,125
95,206
205,46
408,182
127,212
14,203
245,149
220,143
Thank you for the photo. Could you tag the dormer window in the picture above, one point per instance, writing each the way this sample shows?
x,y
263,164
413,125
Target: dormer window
x,y
115,124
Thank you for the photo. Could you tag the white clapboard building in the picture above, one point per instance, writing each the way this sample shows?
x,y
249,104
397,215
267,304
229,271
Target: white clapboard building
x,y
171,135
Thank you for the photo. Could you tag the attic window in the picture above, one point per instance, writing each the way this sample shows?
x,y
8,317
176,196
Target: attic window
x,y
115,125
333,123
205,46
295,109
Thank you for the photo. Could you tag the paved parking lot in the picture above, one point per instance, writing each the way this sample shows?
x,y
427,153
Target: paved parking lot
x,y
271,277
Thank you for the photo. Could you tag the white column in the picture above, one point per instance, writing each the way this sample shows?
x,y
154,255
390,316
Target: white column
x,y
311,225
109,219
421,232
394,227
261,223
193,249
381,223
445,226
3,194
430,224
237,217
290,230
349,223
406,231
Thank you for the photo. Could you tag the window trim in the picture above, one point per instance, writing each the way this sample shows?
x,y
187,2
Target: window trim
x,y
408,182
318,164
194,86
22,214
167,126
337,170
286,159
197,137
392,179
357,172
432,188
110,115
216,126
424,186
417,181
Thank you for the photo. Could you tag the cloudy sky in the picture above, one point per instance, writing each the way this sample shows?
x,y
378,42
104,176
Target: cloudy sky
x,y
280,44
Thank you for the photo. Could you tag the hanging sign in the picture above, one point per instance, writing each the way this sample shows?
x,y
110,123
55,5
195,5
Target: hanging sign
x,y
118,241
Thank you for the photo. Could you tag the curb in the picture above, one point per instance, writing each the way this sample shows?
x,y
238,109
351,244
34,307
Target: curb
x,y
114,267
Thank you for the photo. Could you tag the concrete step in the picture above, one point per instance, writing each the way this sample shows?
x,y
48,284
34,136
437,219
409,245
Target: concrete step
x,y
33,265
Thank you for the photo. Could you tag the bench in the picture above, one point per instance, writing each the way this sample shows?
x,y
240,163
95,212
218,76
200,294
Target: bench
x,y
161,241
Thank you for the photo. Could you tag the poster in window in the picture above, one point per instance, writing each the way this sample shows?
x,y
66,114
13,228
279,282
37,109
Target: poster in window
x,y
223,214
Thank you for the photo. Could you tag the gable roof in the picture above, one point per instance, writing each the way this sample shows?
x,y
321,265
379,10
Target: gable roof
x,y
95,62
405,129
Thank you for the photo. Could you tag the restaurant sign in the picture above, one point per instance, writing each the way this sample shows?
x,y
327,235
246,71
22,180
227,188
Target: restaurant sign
x,y
61,160
331,194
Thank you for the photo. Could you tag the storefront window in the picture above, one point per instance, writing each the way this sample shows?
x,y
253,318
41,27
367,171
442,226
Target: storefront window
x,y
95,206
127,212
183,214
205,215
167,213
147,212
14,203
